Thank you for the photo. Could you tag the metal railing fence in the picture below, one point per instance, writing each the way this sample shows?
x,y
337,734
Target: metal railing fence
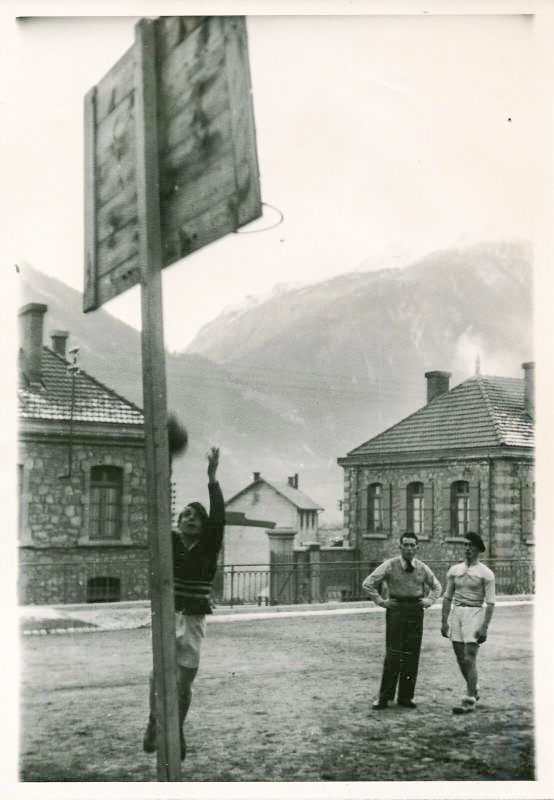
x,y
44,582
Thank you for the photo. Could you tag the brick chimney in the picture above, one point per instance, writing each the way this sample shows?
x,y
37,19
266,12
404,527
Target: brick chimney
x,y
31,319
256,477
529,388
437,383
59,341
293,481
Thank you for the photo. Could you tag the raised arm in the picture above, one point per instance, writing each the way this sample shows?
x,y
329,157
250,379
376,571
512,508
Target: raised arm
x,y
216,520
213,463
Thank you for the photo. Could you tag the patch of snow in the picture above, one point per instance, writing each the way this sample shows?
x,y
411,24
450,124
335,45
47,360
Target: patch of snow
x,y
39,612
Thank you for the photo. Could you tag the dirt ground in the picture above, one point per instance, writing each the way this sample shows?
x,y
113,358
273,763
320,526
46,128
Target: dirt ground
x,y
280,700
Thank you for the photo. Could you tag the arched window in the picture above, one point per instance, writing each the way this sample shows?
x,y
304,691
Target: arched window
x,y
106,489
103,589
375,507
415,507
459,508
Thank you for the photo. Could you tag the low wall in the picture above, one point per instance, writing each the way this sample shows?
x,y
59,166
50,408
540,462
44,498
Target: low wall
x,y
48,577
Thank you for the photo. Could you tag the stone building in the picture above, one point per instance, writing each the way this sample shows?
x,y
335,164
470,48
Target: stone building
x,y
82,479
462,462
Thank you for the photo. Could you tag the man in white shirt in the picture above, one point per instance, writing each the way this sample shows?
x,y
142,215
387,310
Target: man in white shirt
x,y
469,585
411,587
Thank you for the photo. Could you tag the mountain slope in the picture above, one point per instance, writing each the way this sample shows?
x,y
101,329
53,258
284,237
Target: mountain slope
x,y
214,407
287,384
350,353
484,289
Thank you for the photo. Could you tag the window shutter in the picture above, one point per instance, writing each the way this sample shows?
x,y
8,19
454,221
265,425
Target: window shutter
x,y
387,506
446,509
474,509
526,510
363,509
428,509
403,510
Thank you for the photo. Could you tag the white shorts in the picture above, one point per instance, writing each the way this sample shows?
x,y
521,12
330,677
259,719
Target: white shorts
x,y
190,629
465,621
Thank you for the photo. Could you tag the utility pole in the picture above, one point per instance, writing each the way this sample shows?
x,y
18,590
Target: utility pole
x,y
155,406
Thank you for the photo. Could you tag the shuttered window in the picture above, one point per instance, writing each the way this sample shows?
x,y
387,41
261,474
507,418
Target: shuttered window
x,y
363,499
459,508
428,510
527,501
106,489
474,506
415,505
387,509
375,507
374,510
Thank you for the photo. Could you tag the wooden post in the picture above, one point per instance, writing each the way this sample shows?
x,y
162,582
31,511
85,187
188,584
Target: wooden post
x,y
314,566
90,298
155,407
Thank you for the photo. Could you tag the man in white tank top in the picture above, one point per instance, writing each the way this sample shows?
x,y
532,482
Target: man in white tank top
x,y
469,602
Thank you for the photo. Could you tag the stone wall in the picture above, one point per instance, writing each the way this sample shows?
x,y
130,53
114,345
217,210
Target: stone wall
x,y
53,576
55,509
497,498
512,509
57,554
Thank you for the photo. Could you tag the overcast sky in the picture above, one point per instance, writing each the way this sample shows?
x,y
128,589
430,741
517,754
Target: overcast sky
x,y
379,137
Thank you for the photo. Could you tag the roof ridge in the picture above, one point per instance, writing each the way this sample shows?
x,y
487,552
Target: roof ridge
x,y
419,410
500,378
488,406
474,413
387,430
276,487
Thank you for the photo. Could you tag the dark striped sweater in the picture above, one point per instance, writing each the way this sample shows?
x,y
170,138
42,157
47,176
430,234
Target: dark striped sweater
x,y
194,569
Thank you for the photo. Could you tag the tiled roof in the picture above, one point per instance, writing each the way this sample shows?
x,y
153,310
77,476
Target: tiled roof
x,y
93,402
480,412
295,496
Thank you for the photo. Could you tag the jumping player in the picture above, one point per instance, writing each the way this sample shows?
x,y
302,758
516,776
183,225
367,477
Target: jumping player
x,y
196,545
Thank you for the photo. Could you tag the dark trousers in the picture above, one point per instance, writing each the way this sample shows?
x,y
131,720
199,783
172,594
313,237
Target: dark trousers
x,y
403,639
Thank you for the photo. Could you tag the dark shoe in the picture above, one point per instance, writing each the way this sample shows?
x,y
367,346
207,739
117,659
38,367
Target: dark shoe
x,y
407,704
379,705
466,706
149,741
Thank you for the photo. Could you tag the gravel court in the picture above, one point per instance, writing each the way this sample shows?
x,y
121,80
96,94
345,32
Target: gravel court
x,y
280,699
